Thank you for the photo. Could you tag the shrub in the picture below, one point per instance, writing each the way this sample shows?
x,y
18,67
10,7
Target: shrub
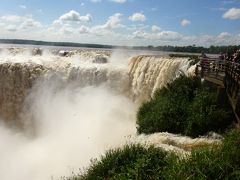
x,y
167,111
130,162
219,161
185,106
205,114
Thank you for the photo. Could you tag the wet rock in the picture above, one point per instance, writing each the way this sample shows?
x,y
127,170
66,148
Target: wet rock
x,y
37,52
100,60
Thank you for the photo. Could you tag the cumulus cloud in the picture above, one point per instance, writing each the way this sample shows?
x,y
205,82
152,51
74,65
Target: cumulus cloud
x,y
140,35
169,36
185,22
137,17
224,35
75,16
113,21
15,22
155,29
166,36
12,18
233,13
30,23
83,30
119,1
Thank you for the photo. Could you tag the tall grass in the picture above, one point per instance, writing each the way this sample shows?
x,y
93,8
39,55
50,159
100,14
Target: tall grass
x,y
220,161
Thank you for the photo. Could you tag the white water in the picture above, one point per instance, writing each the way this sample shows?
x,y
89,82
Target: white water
x,y
73,110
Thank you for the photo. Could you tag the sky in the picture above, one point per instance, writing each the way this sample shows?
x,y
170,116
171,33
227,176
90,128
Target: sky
x,y
123,22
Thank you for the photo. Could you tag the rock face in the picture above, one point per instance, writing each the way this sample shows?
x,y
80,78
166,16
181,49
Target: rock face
x,y
15,81
100,60
37,52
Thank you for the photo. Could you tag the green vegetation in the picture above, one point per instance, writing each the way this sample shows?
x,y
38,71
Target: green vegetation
x,y
185,106
190,56
130,162
220,161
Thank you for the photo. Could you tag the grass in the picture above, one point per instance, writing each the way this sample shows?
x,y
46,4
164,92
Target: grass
x,y
220,161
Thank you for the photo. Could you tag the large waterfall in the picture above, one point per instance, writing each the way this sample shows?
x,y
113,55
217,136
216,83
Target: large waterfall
x,y
60,109
138,80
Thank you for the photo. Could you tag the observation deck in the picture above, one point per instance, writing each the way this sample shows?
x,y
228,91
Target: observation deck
x,y
225,74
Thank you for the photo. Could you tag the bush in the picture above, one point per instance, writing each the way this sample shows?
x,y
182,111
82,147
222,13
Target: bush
x,y
167,111
130,162
219,161
205,114
186,107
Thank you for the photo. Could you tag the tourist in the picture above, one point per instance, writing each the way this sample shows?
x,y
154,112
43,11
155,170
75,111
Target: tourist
x,y
204,61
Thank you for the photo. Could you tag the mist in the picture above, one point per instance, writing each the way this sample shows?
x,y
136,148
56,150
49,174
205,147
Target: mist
x,y
72,109
66,126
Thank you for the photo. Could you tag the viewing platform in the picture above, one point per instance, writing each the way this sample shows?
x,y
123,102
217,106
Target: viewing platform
x,y
225,74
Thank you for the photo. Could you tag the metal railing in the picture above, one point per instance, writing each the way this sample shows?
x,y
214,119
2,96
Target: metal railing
x,y
228,73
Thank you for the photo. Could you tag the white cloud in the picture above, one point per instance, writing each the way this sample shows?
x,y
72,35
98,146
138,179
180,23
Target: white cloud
x,y
164,36
169,36
185,22
140,35
23,7
14,22
233,13
137,17
137,27
12,18
66,30
224,35
83,30
30,23
75,16
155,29
119,1
114,21
82,4
11,28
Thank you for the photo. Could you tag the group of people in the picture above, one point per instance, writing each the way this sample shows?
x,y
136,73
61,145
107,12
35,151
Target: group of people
x,y
235,57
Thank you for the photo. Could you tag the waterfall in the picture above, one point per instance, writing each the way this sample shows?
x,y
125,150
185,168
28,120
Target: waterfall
x,y
74,106
144,74
148,73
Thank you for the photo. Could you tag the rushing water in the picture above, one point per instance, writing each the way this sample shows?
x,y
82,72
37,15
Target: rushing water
x,y
58,112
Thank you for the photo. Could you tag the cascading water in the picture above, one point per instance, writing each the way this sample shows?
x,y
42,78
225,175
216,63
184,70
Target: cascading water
x,y
77,107
148,73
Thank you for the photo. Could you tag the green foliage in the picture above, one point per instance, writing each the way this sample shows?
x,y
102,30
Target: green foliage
x,y
185,107
217,162
131,162
220,161
205,114
190,56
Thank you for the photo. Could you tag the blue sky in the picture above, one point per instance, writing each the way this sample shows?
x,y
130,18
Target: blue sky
x,y
123,22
